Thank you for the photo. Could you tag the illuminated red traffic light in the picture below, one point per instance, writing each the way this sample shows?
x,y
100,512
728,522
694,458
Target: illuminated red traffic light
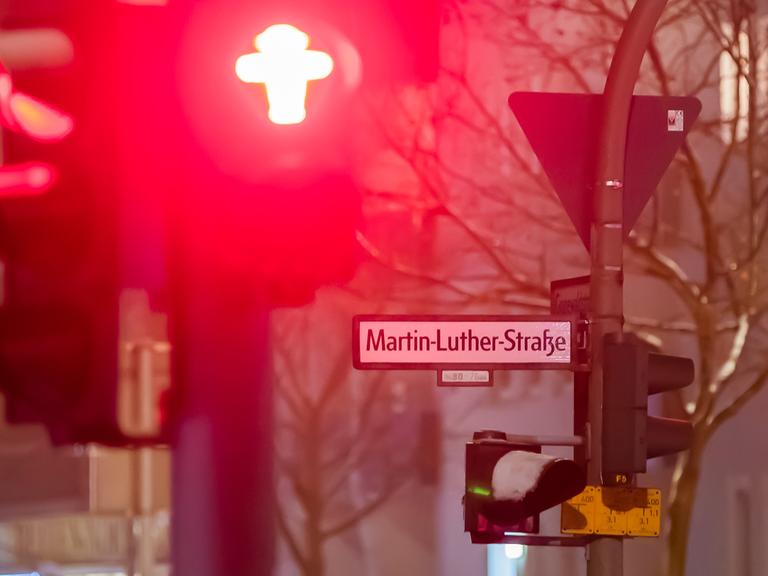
x,y
28,179
285,66
30,116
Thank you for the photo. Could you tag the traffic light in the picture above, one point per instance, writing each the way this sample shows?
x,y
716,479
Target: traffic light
x,y
62,245
271,97
58,340
508,485
172,172
631,373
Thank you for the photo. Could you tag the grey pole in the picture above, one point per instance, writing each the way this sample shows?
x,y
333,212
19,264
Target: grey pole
x,y
605,555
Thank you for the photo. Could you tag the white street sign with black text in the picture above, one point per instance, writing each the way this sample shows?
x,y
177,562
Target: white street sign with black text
x,y
503,342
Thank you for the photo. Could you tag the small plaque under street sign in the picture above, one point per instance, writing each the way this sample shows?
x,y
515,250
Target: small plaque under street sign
x,y
463,342
464,378
613,511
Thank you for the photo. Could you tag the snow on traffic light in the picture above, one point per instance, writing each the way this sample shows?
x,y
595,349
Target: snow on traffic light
x,y
508,485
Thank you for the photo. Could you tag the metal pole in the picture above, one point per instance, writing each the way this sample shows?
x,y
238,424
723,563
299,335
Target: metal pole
x,y
222,522
605,555
144,490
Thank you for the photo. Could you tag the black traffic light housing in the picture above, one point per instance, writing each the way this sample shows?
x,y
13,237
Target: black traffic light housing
x,y
488,518
66,252
631,373
59,320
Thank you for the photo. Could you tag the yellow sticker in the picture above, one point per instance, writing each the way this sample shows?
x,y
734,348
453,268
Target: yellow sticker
x,y
645,517
613,511
576,513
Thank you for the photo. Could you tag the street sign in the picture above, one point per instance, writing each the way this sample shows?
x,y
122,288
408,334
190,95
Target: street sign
x,y
570,296
463,342
614,511
563,131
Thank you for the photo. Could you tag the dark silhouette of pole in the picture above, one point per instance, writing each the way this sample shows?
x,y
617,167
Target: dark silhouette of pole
x,y
223,521
605,555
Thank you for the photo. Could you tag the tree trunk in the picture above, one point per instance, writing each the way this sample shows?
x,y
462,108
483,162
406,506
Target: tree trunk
x,y
315,565
315,561
314,506
681,505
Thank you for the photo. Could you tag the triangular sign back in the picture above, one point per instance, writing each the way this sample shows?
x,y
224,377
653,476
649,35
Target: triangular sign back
x,y
563,130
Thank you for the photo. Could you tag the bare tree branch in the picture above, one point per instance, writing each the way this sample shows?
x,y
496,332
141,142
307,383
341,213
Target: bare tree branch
x,y
289,537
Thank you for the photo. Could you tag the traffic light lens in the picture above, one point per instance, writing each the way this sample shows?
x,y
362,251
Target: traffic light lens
x,y
26,179
39,176
480,491
285,66
38,120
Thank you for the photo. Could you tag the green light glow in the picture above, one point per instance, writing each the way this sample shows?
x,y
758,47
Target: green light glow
x,y
480,491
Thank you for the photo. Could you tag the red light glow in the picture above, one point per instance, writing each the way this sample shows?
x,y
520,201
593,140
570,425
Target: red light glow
x,y
38,120
29,179
285,66
30,116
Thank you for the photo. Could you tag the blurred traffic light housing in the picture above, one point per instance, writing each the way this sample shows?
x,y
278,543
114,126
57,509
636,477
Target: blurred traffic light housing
x,y
278,206
173,174
62,249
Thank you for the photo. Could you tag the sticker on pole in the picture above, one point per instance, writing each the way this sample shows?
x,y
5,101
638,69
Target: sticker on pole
x,y
613,511
675,120
463,342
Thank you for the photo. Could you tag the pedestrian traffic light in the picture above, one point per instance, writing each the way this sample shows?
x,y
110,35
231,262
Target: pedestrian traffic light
x,y
270,100
61,230
285,66
631,373
154,114
508,485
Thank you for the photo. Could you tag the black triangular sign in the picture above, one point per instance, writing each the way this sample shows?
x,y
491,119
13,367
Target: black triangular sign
x,y
563,131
